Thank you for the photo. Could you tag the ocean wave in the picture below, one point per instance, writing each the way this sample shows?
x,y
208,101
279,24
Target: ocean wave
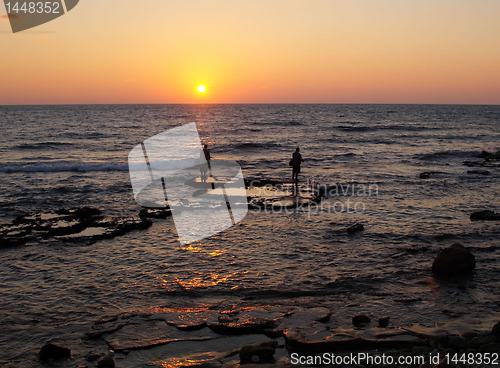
x,y
438,155
63,167
251,146
43,145
358,127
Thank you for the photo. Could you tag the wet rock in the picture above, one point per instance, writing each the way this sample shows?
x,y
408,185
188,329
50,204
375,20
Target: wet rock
x,y
485,215
53,351
454,261
354,229
155,213
143,334
384,322
106,362
243,327
361,320
490,155
107,228
263,353
79,224
317,341
247,320
478,172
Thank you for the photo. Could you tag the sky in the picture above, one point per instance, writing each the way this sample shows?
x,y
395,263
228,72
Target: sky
x,y
257,51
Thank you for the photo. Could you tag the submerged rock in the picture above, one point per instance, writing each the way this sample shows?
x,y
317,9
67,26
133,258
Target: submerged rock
x,y
454,261
354,229
478,172
485,215
53,351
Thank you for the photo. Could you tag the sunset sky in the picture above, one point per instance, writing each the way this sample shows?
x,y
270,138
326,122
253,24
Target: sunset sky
x,y
257,51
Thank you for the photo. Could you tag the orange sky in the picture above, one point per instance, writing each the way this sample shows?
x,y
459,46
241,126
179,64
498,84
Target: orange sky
x,y
270,51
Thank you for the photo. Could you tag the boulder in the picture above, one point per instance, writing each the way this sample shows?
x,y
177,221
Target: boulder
x,y
454,261
53,351
485,215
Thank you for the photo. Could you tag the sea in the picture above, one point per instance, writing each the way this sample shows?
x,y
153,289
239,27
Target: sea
x,y
54,157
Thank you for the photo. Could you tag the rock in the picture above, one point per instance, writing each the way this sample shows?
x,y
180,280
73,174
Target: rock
x,y
479,172
383,322
454,261
78,224
361,320
354,229
156,213
490,155
106,362
263,353
485,215
249,326
495,331
53,351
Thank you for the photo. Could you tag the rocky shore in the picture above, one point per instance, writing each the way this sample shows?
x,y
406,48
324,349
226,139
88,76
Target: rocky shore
x,y
228,335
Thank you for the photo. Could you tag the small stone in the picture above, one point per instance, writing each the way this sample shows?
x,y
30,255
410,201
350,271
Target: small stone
x,y
361,321
383,322
52,351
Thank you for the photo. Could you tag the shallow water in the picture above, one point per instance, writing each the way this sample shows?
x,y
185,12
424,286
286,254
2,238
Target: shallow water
x,y
67,156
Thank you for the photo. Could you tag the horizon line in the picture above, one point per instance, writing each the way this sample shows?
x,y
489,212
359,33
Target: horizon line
x,y
250,103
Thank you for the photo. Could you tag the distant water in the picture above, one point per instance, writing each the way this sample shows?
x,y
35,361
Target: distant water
x,y
66,156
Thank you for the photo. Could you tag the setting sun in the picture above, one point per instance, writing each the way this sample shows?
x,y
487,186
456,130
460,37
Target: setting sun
x,y
201,88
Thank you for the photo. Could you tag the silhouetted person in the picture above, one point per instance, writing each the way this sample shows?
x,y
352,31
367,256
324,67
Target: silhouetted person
x,y
206,152
295,163
205,163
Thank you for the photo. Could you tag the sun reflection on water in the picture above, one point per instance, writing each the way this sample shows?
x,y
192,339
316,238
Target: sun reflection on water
x,y
204,282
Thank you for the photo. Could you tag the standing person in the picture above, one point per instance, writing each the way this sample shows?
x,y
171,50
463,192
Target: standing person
x,y
205,163
206,152
295,163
